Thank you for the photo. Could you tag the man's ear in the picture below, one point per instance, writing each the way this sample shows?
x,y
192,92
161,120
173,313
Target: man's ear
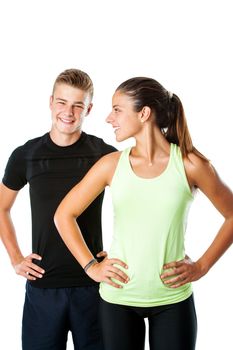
x,y
50,101
89,108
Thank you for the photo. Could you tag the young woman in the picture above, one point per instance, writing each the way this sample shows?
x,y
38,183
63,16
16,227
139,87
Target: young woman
x,y
152,187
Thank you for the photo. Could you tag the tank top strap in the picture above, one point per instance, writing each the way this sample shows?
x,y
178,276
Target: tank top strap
x,y
177,163
122,165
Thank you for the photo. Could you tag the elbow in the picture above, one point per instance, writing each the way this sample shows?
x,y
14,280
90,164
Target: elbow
x,y
63,219
60,219
57,219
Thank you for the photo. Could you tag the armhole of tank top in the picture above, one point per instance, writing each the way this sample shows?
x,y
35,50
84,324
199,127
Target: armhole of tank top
x,y
124,153
181,167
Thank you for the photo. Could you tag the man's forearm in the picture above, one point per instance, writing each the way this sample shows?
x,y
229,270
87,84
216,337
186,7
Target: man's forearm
x,y
8,237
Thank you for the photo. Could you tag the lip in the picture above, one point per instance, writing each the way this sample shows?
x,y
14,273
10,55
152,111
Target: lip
x,y
116,128
67,121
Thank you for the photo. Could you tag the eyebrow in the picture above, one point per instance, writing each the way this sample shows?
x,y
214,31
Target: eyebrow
x,y
115,106
75,103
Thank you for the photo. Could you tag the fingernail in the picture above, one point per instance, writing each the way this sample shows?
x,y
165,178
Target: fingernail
x,y
126,266
40,276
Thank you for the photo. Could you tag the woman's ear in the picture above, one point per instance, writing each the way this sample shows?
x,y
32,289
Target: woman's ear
x,y
144,114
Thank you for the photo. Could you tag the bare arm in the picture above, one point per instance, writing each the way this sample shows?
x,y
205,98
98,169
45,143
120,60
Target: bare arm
x,y
203,175
73,205
23,265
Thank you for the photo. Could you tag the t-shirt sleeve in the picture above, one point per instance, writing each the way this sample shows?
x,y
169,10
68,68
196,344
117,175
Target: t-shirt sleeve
x,y
108,149
15,171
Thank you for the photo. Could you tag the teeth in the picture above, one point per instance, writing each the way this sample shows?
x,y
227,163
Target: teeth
x,y
67,121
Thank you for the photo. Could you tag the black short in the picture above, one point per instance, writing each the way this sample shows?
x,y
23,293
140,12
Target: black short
x,y
50,313
171,327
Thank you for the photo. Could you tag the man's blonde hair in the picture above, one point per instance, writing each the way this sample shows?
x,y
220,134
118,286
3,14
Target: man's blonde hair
x,y
76,78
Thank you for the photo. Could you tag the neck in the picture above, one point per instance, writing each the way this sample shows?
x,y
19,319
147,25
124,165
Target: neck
x,y
151,143
62,139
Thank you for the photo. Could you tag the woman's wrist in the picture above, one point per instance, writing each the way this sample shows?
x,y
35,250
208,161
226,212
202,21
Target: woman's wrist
x,y
88,265
203,266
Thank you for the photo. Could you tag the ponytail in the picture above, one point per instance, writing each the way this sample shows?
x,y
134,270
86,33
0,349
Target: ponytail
x,y
177,130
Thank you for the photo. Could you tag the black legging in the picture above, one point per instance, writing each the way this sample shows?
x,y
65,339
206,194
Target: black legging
x,y
171,327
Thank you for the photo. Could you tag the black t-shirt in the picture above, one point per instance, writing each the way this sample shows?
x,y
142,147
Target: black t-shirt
x,y
51,172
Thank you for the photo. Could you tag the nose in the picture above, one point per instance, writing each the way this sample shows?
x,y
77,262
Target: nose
x,y
109,118
69,110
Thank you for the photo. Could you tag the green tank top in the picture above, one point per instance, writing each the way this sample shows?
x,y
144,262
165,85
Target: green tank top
x,y
149,226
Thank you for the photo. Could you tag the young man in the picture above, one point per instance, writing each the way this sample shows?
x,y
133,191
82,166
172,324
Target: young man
x,y
59,295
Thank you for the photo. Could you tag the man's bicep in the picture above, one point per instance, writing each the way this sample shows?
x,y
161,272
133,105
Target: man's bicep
x,y
15,172
7,197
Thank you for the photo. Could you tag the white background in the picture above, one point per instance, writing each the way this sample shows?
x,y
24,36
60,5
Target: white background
x,y
185,45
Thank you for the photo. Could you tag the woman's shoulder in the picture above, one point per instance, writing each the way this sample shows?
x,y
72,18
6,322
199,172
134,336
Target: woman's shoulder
x,y
106,165
197,162
197,167
111,158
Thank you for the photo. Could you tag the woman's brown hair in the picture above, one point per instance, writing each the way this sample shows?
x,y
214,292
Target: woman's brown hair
x,y
167,108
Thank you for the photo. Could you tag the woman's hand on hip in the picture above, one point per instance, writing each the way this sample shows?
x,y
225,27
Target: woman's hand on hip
x,y
107,270
178,273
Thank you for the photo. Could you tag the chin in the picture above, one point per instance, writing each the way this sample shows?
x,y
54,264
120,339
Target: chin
x,y
120,139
